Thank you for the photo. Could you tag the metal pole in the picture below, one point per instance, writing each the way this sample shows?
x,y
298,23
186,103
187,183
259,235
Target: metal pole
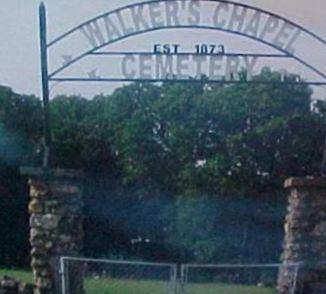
x,y
323,165
63,275
45,85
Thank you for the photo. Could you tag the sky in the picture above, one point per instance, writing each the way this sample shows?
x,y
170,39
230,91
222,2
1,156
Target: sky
x,y
19,46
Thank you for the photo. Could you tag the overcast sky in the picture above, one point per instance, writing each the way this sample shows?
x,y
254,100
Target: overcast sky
x,y
19,46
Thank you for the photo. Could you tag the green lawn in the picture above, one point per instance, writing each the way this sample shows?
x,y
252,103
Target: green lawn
x,y
227,289
21,275
111,286
106,286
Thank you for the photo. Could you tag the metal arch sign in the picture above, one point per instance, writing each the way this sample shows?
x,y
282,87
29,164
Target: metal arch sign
x,y
169,61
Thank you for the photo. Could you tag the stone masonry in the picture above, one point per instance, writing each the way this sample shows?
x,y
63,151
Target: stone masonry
x,y
9,285
305,236
55,225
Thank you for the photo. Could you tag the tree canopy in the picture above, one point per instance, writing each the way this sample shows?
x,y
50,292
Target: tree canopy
x,y
196,168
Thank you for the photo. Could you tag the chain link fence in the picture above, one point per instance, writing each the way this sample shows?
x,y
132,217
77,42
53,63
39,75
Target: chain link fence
x,y
235,279
99,276
311,278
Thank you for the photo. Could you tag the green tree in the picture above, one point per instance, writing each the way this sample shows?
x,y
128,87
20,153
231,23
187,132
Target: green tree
x,y
20,132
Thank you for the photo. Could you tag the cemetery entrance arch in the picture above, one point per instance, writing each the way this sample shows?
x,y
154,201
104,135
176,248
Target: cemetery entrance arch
x,y
162,62
62,57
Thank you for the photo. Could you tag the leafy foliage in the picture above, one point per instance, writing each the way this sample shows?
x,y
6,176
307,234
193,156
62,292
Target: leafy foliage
x,y
190,171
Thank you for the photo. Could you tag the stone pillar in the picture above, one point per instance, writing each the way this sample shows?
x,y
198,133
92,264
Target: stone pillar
x,y
55,224
305,235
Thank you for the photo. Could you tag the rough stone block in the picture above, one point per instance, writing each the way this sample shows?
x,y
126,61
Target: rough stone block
x,y
35,207
305,232
56,222
8,283
44,283
25,289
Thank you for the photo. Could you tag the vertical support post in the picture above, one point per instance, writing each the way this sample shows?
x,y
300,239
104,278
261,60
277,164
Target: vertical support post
x,y
56,227
63,275
45,84
323,166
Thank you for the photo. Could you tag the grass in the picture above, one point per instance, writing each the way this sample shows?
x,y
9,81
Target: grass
x,y
20,275
227,289
112,286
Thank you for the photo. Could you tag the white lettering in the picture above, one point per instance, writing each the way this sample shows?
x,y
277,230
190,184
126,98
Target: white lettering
x,y
237,18
289,47
215,67
232,68
137,13
194,10
253,25
283,35
250,64
155,14
164,67
216,19
127,60
125,30
172,10
111,29
270,27
145,68
93,33
199,60
182,66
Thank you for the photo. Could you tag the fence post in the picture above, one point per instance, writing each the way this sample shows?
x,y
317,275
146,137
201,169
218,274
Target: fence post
x,y
62,275
183,278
